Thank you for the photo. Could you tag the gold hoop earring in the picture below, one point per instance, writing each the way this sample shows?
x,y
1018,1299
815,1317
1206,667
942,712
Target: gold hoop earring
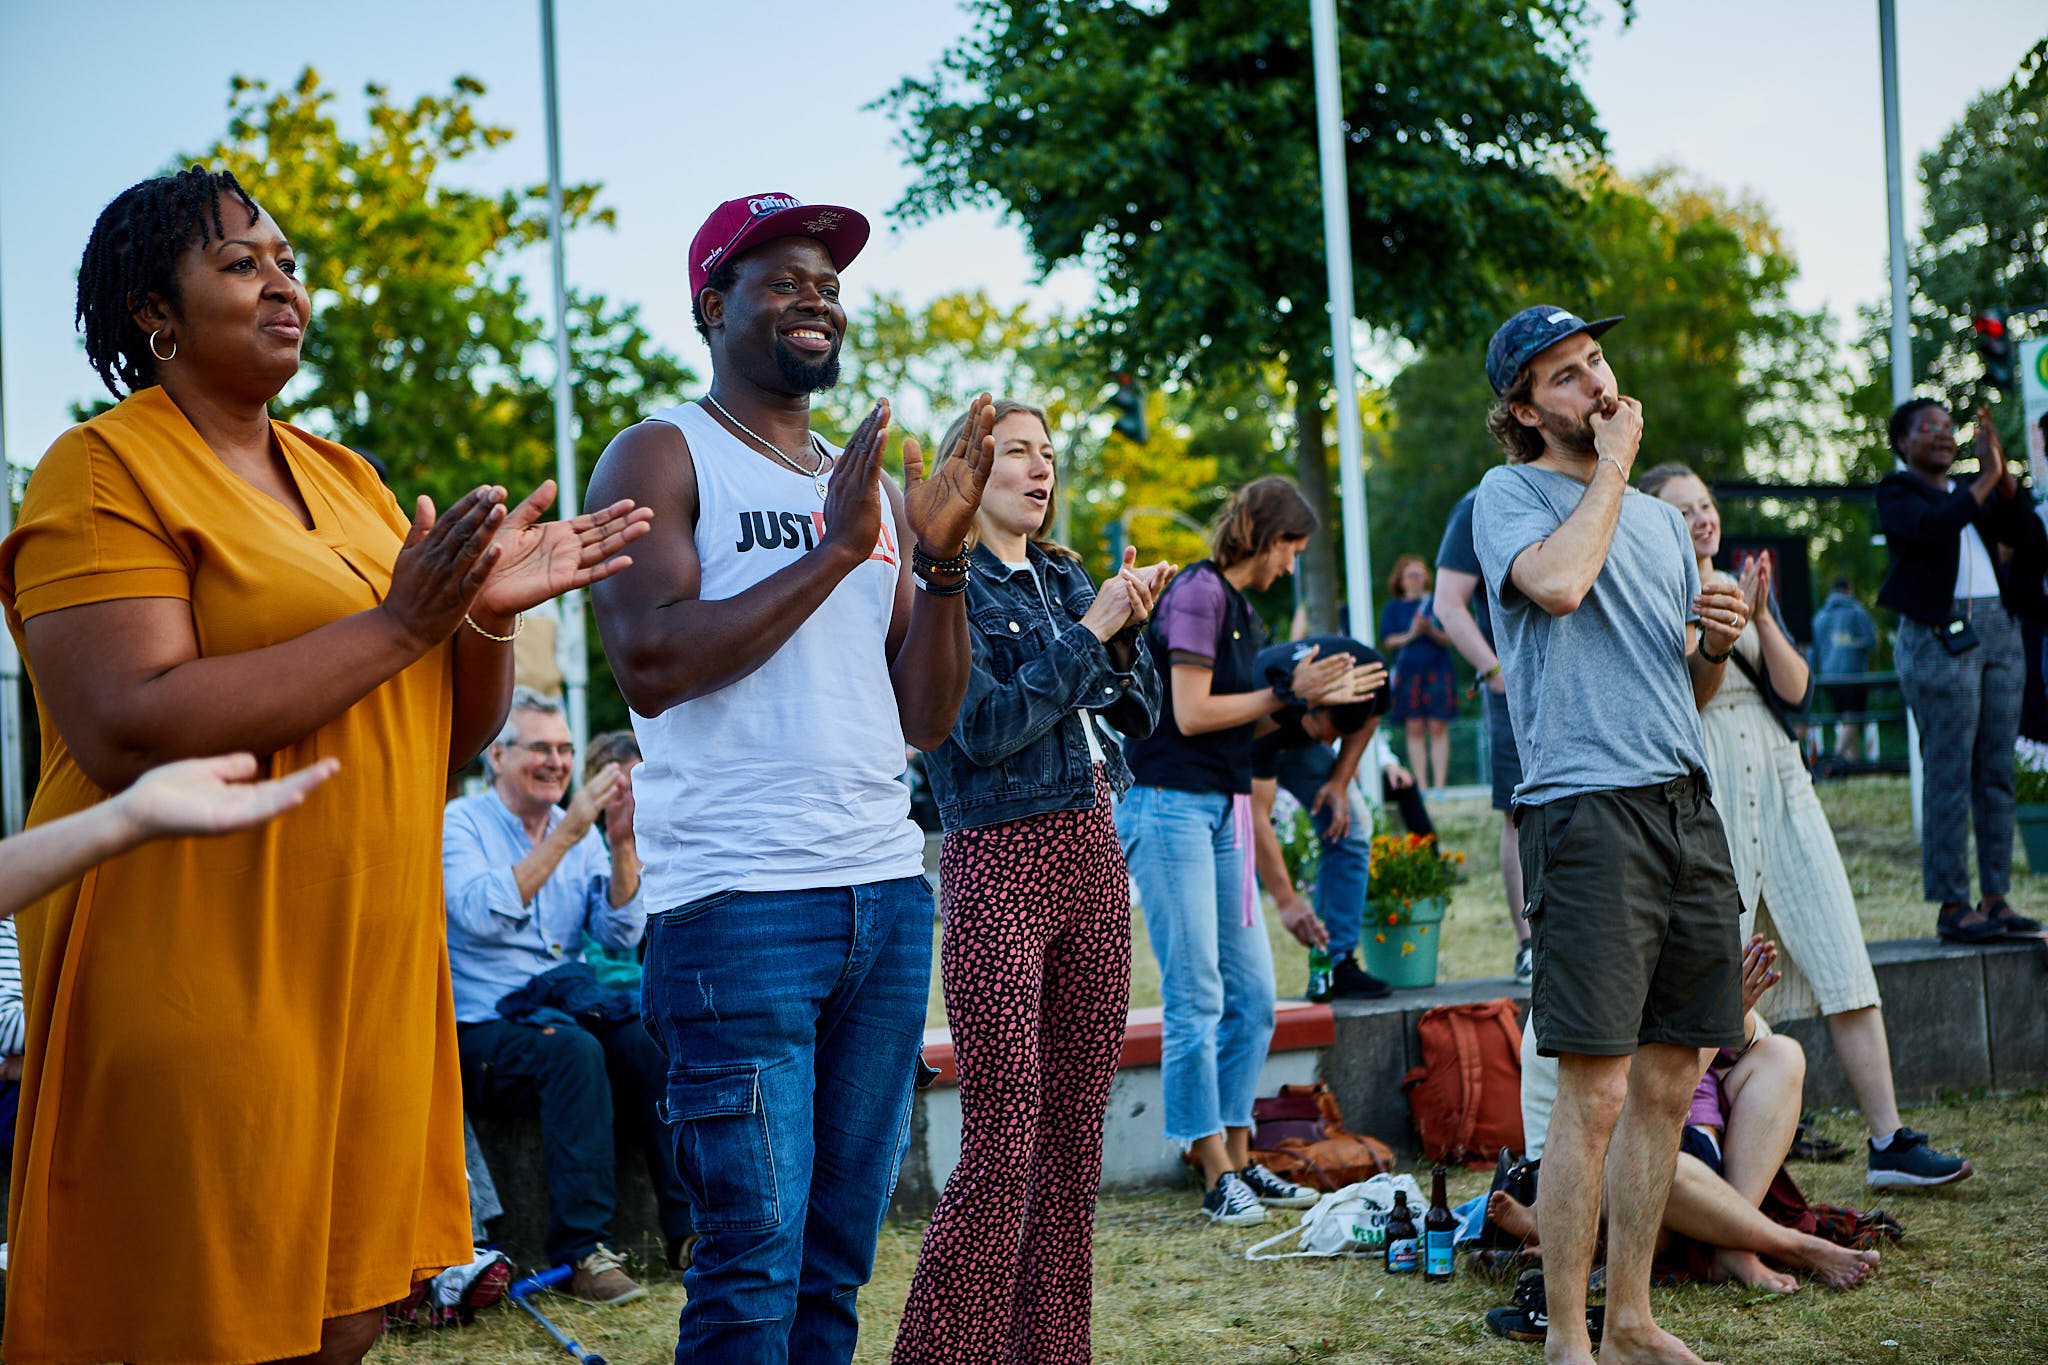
x,y
159,354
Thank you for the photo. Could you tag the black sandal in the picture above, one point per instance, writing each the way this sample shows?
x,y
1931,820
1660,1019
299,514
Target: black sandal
x,y
2009,921
1807,1145
1951,928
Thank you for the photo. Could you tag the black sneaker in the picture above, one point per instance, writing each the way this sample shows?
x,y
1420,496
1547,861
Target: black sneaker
x,y
1909,1161
1274,1192
1349,979
1231,1202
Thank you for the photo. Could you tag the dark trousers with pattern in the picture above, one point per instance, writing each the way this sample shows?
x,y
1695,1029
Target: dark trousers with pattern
x,y
1037,962
1968,709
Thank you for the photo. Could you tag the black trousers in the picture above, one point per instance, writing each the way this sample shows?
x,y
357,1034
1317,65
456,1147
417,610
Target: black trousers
x,y
575,1080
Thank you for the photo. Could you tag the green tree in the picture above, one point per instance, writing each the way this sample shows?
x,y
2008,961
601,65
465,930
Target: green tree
x,y
1172,148
423,340
1735,380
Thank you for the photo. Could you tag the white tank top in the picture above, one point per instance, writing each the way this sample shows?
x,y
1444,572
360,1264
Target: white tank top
x,y
787,778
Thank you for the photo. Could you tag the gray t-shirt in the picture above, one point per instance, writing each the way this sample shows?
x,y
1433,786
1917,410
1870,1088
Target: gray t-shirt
x,y
1601,697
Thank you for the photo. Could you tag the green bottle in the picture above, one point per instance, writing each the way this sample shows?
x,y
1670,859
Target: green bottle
x,y
1319,989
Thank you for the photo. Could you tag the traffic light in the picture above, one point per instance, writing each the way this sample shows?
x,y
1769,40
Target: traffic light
x,y
1994,347
1129,403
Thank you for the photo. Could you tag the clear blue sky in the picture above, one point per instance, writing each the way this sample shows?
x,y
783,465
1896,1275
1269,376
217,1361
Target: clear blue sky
x,y
675,106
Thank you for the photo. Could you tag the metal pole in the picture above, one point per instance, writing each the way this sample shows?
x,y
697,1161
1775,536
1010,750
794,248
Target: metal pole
x,y
570,653
1902,303
11,812
1337,250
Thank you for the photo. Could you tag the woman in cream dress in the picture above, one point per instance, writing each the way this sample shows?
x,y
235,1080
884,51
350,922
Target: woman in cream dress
x,y
1794,888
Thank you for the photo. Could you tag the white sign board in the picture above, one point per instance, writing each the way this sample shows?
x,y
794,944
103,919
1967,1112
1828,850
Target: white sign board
x,y
2033,373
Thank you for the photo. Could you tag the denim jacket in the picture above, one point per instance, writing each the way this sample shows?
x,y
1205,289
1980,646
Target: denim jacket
x,y
1018,748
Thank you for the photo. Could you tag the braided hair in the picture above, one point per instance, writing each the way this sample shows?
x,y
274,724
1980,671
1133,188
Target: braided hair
x,y
133,253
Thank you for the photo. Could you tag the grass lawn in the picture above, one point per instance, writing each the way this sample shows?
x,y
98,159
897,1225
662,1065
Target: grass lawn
x,y
1970,1283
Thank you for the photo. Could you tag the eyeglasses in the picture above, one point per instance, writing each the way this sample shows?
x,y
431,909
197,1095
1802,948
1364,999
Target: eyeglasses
x,y
542,749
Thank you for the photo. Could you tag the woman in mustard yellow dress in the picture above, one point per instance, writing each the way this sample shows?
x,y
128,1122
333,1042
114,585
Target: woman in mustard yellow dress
x,y
241,1128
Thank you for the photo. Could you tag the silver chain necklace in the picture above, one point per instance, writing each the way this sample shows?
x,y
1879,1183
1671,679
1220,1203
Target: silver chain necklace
x,y
816,476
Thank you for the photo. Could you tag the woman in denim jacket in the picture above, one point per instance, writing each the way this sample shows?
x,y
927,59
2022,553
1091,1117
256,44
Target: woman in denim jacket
x,y
1037,947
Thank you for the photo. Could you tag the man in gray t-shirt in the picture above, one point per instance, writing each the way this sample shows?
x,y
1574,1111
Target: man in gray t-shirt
x,y
1609,645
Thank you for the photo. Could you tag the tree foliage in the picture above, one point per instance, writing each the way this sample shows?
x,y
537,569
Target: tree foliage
x,y
424,342
1172,148
1735,380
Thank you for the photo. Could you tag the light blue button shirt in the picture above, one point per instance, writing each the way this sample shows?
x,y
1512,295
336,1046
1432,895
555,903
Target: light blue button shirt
x,y
495,943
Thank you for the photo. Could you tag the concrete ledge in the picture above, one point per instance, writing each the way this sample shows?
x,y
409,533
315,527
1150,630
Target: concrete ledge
x,y
1958,1018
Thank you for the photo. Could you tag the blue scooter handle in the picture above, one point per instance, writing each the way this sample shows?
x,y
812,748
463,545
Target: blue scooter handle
x,y
548,1279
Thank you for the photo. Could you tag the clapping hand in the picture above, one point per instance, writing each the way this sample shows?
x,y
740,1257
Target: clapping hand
x,y
941,508
1723,610
199,796
1125,602
538,561
592,799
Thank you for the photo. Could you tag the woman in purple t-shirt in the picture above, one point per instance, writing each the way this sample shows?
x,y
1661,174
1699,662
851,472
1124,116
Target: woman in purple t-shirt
x,y
1187,837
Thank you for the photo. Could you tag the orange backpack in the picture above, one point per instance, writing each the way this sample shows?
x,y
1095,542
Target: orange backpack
x,y
1467,1094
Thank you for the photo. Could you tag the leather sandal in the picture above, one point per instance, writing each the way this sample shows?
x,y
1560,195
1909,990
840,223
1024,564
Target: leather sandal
x,y
2009,921
1950,927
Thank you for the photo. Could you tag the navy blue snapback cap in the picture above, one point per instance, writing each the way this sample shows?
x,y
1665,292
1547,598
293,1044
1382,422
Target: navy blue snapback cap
x,y
1529,333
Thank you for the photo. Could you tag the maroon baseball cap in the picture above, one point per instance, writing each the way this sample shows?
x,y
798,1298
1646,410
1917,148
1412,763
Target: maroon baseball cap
x,y
738,224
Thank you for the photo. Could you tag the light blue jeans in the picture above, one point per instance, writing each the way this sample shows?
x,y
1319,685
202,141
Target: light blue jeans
x,y
1215,974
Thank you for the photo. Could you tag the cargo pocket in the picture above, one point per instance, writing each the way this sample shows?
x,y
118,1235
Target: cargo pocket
x,y
723,1151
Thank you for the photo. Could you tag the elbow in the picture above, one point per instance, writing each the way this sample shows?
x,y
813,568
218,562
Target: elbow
x,y
1559,599
926,737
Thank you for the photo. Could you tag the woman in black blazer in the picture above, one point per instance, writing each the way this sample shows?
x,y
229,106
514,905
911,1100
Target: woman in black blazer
x,y
1966,561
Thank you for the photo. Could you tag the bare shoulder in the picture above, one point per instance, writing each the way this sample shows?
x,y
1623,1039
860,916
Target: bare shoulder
x,y
648,462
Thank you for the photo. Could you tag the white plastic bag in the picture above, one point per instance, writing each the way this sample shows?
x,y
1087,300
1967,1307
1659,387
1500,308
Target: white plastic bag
x,y
1343,1221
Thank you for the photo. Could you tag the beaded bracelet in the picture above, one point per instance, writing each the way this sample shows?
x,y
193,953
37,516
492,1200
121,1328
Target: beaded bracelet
x,y
922,562
923,584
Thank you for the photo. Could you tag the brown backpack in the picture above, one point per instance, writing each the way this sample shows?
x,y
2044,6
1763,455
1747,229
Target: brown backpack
x,y
1467,1094
1299,1135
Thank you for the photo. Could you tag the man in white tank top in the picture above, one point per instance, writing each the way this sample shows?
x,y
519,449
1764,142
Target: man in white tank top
x,y
777,656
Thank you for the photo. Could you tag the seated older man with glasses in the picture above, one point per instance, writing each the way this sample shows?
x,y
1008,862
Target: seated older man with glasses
x,y
525,879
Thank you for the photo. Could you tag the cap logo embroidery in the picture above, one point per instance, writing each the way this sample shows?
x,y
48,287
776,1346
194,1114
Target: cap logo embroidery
x,y
1560,317
769,203
824,222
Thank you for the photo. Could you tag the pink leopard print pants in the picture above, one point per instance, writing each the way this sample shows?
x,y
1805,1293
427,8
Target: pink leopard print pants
x,y
1037,962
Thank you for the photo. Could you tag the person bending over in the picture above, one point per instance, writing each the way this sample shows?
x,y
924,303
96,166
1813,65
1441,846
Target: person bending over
x,y
1297,753
1608,641
777,657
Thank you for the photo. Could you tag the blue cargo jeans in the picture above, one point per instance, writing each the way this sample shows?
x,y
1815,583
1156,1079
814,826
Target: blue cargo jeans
x,y
792,1021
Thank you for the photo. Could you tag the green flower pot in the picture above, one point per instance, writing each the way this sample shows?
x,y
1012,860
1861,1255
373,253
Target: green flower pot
x,y
2032,821
1404,955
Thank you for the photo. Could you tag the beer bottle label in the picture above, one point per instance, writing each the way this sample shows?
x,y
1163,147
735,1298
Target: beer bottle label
x,y
1438,1251
1403,1255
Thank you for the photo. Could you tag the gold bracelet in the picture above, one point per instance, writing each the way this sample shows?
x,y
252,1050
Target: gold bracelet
x,y
518,624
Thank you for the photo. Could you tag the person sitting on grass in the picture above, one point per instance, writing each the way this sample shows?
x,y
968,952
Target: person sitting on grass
x,y
1736,1137
1296,754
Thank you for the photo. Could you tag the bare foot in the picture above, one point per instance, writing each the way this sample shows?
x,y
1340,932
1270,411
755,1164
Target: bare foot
x,y
1511,1216
1648,1345
1747,1268
1836,1267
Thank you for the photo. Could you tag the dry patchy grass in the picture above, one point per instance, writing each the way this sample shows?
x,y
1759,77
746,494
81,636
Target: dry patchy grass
x,y
1969,1284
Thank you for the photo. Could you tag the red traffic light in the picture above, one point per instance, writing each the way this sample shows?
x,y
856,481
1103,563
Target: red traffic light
x,y
1988,324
